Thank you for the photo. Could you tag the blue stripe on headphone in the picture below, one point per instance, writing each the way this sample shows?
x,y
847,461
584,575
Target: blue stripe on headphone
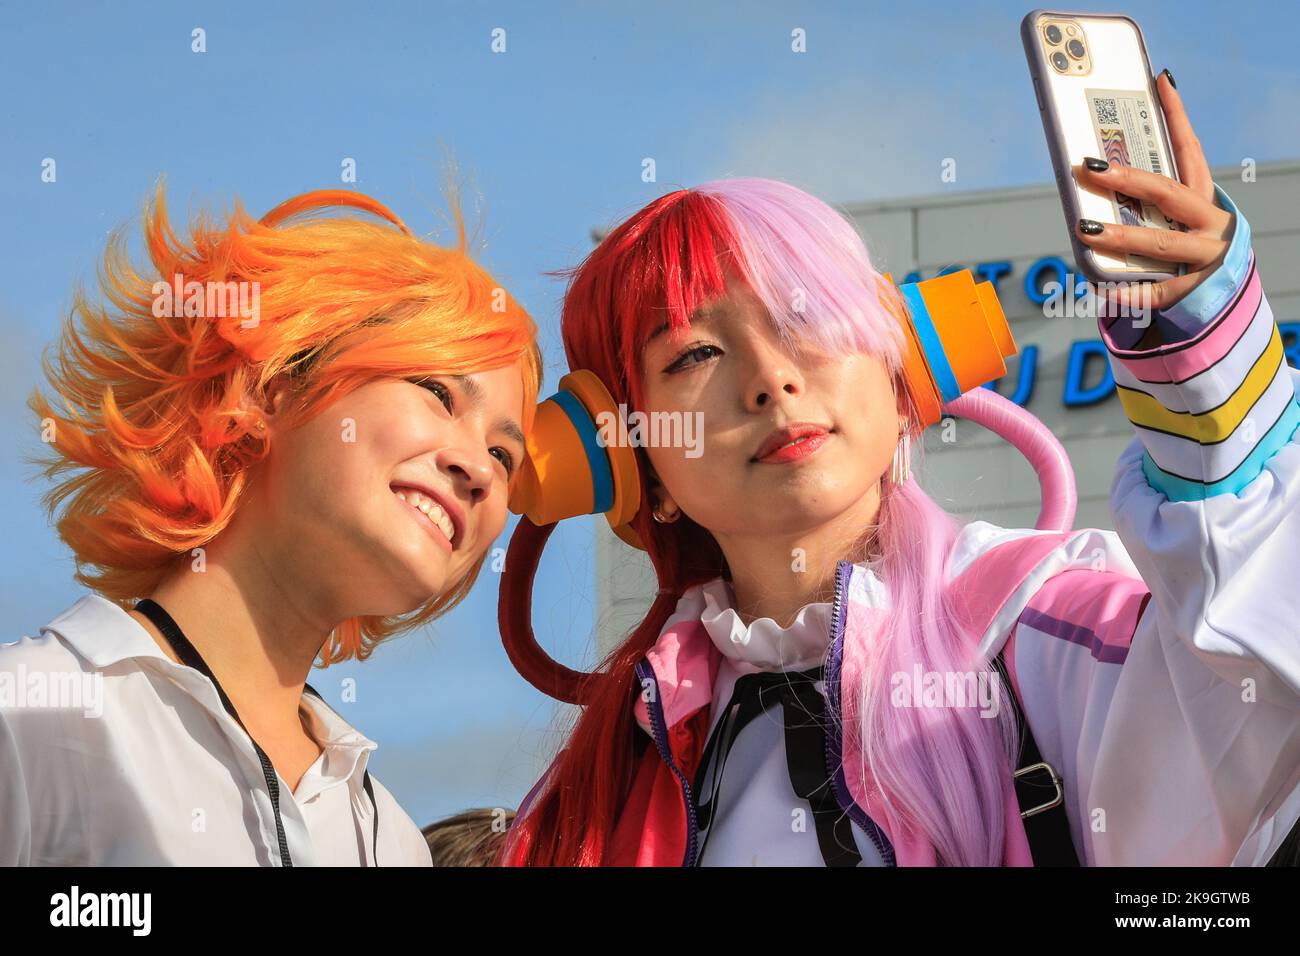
x,y
931,344
602,479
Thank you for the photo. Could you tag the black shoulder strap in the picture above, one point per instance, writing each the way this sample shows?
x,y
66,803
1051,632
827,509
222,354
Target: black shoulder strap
x,y
1048,831
1288,854
1039,792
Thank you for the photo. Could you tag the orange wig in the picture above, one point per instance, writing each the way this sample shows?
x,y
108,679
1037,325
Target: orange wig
x,y
156,420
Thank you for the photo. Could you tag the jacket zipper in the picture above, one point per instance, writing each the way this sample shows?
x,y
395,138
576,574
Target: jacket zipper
x,y
834,751
834,744
659,732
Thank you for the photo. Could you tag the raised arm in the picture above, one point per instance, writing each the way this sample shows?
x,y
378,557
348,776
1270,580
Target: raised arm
x,y
1159,665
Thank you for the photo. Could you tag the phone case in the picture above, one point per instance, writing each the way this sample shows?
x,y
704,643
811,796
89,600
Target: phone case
x,y
1073,106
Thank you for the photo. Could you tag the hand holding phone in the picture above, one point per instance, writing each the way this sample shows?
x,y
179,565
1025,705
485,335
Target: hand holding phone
x,y
1201,248
1092,80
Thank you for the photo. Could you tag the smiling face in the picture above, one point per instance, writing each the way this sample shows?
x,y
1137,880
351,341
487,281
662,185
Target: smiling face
x,y
730,368
346,498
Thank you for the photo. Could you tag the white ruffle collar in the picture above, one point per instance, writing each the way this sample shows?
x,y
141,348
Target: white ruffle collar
x,y
764,645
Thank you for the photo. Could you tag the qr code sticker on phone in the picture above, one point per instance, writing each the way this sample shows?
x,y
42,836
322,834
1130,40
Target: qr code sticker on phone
x,y
1124,122
1107,112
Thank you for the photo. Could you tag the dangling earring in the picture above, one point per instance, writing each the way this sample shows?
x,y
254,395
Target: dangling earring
x,y
661,519
902,469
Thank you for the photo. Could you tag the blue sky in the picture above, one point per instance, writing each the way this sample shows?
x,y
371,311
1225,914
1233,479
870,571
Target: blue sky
x,y
551,134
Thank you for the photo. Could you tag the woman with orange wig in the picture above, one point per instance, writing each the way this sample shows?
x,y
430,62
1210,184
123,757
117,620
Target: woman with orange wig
x,y
284,441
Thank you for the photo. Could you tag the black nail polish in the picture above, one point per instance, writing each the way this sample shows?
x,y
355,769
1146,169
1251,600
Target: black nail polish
x,y
1170,77
1090,227
1095,164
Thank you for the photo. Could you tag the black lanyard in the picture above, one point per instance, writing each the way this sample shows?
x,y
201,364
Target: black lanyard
x,y
190,656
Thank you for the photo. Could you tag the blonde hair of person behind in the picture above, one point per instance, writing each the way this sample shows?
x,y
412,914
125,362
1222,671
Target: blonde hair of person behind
x,y
471,838
154,422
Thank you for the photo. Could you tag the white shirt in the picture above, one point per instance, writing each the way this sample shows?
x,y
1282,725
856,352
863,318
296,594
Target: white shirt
x,y
758,819
112,754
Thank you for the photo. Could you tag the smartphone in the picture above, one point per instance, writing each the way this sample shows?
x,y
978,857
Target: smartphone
x,y
1096,95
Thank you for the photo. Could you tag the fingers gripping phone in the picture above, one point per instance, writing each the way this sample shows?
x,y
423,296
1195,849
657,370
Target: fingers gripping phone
x,y
1097,97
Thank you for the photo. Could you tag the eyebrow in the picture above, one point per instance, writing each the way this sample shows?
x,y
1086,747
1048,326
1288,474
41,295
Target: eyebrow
x,y
701,314
475,393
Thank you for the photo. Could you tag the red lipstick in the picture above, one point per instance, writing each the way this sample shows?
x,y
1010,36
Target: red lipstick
x,y
777,448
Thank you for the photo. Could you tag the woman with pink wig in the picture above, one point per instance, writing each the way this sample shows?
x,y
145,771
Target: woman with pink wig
x,y
785,700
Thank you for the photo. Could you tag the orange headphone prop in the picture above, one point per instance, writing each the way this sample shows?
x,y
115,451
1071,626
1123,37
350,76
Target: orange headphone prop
x,y
580,462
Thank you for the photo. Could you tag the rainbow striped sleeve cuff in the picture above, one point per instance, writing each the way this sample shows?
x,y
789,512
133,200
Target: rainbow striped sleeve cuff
x,y
1190,314
1211,409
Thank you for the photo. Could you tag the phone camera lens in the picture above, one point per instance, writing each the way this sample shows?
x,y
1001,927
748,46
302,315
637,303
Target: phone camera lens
x,y
1060,61
1053,34
1076,49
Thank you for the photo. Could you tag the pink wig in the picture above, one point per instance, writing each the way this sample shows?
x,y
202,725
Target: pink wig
x,y
940,770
